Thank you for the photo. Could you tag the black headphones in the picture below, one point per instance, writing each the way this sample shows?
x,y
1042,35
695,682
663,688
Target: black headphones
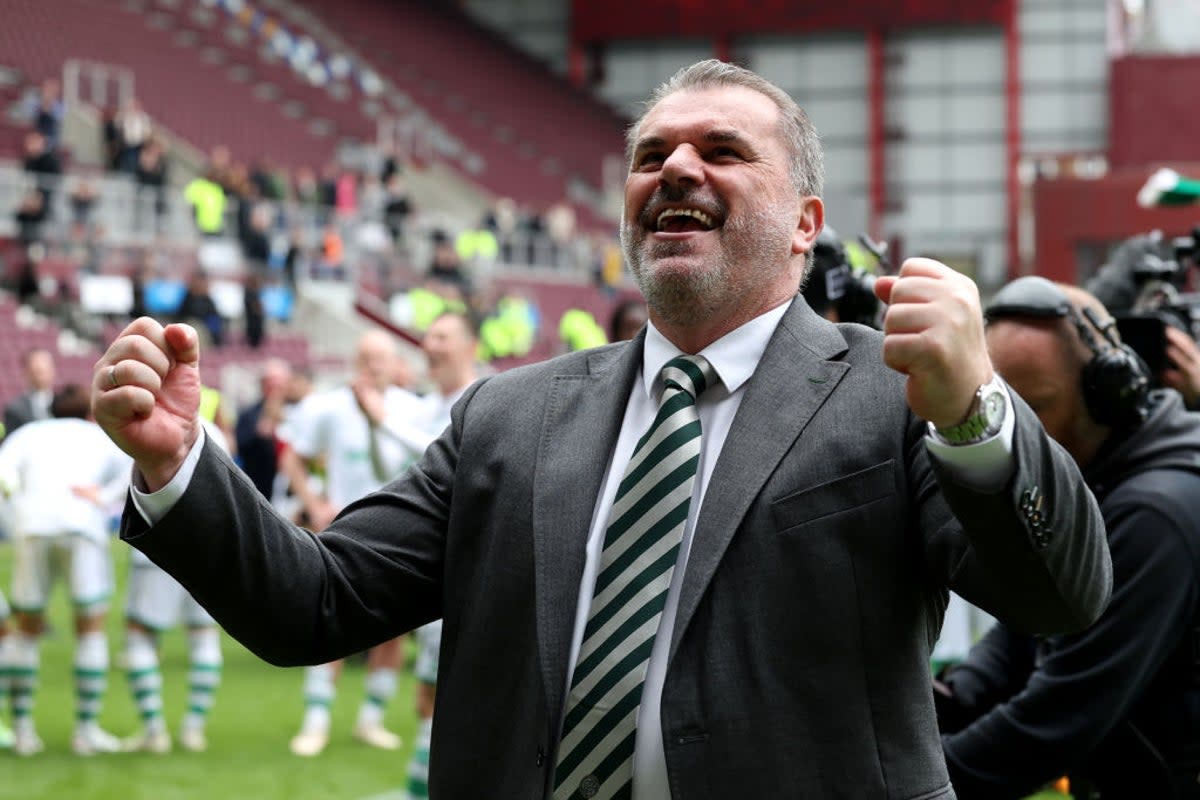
x,y
1115,381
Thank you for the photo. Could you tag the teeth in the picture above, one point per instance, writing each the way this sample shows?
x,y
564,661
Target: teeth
x,y
694,213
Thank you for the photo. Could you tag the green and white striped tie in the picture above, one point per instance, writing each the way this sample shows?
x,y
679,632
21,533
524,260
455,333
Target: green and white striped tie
x,y
641,544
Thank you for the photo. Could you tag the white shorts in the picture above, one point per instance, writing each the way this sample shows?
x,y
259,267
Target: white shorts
x,y
429,644
156,601
84,563
4,610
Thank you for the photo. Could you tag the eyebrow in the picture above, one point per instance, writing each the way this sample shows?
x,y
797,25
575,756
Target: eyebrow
x,y
718,136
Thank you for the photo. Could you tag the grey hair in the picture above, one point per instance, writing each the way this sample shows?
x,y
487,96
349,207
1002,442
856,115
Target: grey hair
x,y
806,166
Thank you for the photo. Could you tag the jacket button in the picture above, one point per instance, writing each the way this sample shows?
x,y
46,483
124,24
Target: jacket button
x,y
589,787
541,757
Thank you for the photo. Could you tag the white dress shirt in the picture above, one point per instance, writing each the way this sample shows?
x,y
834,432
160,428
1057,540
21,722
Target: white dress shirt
x,y
735,357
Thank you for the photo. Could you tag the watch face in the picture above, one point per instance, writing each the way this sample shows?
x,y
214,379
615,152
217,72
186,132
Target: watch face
x,y
993,405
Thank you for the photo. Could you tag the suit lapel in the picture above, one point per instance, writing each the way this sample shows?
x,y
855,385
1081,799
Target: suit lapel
x,y
582,423
792,381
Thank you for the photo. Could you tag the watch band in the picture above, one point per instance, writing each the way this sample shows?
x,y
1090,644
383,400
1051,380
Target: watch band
x,y
984,418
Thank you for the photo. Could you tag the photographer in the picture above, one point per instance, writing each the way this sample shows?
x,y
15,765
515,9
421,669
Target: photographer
x,y
1141,285
835,289
1117,706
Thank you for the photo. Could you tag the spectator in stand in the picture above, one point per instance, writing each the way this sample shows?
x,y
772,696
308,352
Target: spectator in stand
x,y
83,202
609,266
134,127
327,192
579,330
293,256
43,164
477,247
532,228
307,190
244,193
28,286
256,237
111,133
151,177
30,214
206,196
446,267
137,283
38,366
266,180
220,162
345,194
560,235
397,206
254,315
372,198
46,110
332,263
502,220
392,166
199,309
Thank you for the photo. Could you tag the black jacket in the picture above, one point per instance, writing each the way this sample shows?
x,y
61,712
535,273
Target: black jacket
x,y
1120,697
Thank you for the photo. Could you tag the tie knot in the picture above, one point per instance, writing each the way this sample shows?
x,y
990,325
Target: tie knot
x,y
691,374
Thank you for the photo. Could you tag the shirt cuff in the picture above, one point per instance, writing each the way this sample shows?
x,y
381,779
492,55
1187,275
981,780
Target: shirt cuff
x,y
153,506
983,466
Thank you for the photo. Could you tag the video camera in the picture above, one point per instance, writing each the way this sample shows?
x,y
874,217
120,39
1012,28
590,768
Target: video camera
x,y
1145,287
835,285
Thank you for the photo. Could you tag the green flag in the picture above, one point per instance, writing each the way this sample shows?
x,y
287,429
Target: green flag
x,y
1168,188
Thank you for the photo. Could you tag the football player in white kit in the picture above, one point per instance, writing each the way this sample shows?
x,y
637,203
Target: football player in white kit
x,y
6,735
450,344
63,478
337,429
155,603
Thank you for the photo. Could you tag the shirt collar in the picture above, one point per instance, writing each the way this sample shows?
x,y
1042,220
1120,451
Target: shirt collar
x,y
734,356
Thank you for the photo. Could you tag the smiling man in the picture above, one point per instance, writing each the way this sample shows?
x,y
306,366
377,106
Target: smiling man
x,y
709,562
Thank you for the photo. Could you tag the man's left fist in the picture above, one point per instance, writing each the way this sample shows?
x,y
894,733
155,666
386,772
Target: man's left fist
x,y
933,334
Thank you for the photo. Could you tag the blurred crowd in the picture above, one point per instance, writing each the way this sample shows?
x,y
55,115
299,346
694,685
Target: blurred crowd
x,y
266,227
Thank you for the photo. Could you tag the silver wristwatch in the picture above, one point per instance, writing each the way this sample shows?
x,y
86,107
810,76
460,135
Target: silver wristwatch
x,y
983,420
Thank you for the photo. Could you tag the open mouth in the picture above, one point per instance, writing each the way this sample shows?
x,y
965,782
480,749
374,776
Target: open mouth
x,y
683,220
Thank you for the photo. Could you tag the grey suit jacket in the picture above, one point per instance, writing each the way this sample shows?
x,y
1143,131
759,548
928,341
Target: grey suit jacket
x,y
814,591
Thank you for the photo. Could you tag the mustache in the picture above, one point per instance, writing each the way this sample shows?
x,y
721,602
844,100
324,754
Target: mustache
x,y
679,195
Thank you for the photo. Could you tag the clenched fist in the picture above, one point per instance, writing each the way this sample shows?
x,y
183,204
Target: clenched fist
x,y
933,333
146,396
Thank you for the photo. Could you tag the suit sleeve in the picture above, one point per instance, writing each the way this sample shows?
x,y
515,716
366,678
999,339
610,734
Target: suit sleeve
x,y
1089,681
1033,553
295,598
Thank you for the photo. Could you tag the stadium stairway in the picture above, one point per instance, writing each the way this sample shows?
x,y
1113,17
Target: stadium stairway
x,y
191,80
536,133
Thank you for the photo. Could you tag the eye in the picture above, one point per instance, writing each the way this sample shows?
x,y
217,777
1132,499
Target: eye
x,y
649,158
725,152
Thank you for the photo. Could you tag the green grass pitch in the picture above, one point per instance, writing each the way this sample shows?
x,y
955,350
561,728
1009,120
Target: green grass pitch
x,y
258,709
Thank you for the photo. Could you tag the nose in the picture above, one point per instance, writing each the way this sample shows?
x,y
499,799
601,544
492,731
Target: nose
x,y
683,165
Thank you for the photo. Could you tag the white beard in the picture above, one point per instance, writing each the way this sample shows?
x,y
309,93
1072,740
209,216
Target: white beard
x,y
755,246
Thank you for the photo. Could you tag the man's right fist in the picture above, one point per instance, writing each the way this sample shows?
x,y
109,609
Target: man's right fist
x,y
146,396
